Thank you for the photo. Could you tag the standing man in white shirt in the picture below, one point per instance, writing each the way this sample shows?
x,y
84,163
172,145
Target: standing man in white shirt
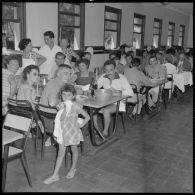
x,y
49,50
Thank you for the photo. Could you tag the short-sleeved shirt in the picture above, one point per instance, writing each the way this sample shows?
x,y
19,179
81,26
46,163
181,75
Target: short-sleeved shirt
x,y
155,72
84,80
50,55
6,85
119,82
134,76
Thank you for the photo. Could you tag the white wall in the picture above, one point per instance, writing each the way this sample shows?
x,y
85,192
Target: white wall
x,y
190,33
41,17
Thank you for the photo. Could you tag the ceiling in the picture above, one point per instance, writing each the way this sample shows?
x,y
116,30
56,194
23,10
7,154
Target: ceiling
x,y
185,8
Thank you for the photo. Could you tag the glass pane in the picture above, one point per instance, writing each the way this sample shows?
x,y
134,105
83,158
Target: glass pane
x,y
137,29
110,25
170,33
73,34
71,8
110,40
9,12
137,21
156,24
69,20
155,41
12,31
180,34
111,16
169,41
180,41
170,26
156,31
137,41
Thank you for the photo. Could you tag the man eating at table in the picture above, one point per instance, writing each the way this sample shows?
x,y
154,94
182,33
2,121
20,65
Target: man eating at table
x,y
154,71
118,83
49,96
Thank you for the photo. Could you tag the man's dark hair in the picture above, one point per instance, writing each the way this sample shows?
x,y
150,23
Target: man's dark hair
x,y
50,34
108,62
152,52
60,54
23,43
135,62
83,60
130,53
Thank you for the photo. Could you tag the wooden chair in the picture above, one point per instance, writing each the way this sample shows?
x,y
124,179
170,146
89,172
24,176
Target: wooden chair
x,y
169,88
23,107
46,113
139,98
18,124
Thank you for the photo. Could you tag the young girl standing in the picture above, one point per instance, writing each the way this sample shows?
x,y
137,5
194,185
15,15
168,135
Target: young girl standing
x,y
67,130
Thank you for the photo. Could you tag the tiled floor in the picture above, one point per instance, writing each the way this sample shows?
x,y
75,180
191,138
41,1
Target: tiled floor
x,y
153,156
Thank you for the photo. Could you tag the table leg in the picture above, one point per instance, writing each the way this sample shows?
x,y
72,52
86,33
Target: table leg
x,y
92,128
5,159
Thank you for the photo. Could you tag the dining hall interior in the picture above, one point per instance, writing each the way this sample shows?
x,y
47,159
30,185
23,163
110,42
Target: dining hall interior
x,y
97,97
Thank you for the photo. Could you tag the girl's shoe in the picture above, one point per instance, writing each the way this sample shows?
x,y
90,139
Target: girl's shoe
x,y
51,179
71,174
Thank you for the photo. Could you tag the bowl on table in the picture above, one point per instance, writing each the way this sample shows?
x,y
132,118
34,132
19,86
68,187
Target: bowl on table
x,y
103,94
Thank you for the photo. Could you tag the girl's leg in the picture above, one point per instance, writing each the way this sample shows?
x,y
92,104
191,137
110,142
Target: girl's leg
x,y
61,153
55,176
74,162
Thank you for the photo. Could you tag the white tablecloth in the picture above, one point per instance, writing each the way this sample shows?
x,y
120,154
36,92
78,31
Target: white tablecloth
x,y
182,79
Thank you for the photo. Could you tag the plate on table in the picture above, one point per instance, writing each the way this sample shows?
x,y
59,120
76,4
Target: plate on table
x,y
81,97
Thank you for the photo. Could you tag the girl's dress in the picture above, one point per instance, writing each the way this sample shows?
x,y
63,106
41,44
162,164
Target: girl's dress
x,y
67,130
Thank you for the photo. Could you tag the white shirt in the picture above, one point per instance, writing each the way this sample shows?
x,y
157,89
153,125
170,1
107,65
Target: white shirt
x,y
50,55
171,69
120,82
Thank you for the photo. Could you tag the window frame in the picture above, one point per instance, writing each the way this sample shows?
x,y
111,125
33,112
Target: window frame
x,y
21,13
82,22
183,34
160,21
143,18
173,32
118,24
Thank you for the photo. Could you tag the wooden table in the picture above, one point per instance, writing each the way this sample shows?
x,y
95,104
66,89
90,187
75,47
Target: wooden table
x,y
94,106
8,137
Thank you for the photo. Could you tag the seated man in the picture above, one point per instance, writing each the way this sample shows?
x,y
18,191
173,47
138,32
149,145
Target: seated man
x,y
116,82
10,81
135,76
49,96
59,59
154,71
183,63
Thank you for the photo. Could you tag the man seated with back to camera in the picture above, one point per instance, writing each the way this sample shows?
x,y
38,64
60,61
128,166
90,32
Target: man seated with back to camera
x,y
136,77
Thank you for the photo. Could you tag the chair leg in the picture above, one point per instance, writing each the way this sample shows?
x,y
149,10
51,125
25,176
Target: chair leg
x,y
25,166
123,121
5,160
43,144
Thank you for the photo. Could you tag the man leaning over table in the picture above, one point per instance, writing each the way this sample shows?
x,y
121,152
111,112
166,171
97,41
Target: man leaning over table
x,y
49,96
49,51
116,82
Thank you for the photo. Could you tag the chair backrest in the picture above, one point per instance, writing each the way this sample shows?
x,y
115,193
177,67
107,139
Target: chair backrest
x,y
20,107
169,77
47,111
19,124
134,88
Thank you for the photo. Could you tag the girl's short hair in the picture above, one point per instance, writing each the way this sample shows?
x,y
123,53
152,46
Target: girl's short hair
x,y
23,43
66,88
27,70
